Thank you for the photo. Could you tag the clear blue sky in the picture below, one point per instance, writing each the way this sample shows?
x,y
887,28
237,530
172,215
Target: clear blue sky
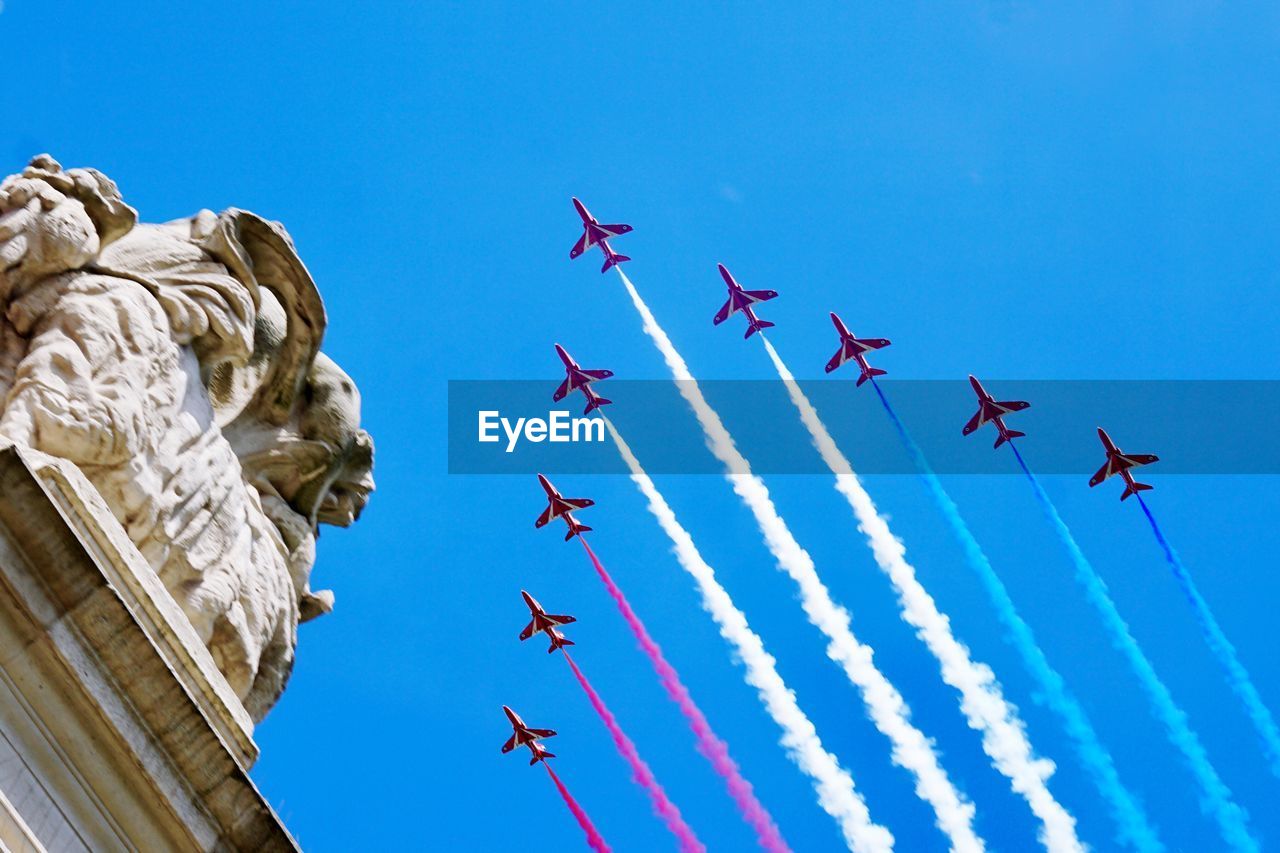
x,y
1000,188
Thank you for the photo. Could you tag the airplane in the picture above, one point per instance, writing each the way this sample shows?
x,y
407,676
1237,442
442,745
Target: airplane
x,y
742,300
991,410
577,379
559,506
545,623
595,234
853,348
1119,462
522,735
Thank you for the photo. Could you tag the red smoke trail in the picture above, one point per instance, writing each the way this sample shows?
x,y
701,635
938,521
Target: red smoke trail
x,y
640,771
715,750
594,839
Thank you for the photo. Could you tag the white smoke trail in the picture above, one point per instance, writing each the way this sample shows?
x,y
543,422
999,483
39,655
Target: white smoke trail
x,y
835,789
886,707
1004,737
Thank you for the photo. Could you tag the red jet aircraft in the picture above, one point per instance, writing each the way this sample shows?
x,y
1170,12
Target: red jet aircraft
x,y
742,300
991,410
1120,463
522,735
595,234
853,348
545,623
559,506
577,379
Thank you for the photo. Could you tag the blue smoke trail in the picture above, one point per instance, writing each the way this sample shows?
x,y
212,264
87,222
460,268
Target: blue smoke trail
x,y
1133,826
1237,675
1215,798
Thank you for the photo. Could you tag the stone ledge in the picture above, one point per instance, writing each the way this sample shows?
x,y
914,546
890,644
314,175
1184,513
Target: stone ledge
x,y
115,697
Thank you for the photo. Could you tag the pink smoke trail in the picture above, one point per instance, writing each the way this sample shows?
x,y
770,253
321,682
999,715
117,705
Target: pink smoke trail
x,y
640,771
714,749
594,839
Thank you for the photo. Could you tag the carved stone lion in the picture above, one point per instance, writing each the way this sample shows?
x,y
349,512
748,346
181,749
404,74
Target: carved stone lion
x,y
178,367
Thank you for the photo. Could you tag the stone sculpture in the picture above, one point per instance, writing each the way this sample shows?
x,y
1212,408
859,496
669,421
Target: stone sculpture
x,y
178,366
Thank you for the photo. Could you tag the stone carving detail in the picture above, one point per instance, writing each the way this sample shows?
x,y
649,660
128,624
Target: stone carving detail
x,y
179,367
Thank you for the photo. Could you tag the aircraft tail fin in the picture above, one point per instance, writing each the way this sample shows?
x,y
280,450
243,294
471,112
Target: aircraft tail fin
x,y
870,372
1005,436
595,403
613,260
757,326
1134,489
560,642
575,530
541,756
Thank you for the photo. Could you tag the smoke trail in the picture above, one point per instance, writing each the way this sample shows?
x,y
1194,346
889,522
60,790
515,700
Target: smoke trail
x,y
1004,736
1215,798
594,841
836,794
1133,826
888,710
714,749
640,771
1237,676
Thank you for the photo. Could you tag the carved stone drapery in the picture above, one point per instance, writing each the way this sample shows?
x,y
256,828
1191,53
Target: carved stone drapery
x,y
179,367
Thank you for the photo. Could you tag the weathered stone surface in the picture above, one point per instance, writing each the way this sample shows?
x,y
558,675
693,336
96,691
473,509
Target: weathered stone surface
x,y
178,367
117,732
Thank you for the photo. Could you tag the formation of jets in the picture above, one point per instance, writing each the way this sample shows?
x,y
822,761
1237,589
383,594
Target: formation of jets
x,y
542,622
852,348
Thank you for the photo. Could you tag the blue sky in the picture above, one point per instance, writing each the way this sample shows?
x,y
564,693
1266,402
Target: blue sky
x,y
1001,188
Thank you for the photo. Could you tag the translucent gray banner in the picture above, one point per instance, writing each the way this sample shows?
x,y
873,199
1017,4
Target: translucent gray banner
x,y
1196,427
